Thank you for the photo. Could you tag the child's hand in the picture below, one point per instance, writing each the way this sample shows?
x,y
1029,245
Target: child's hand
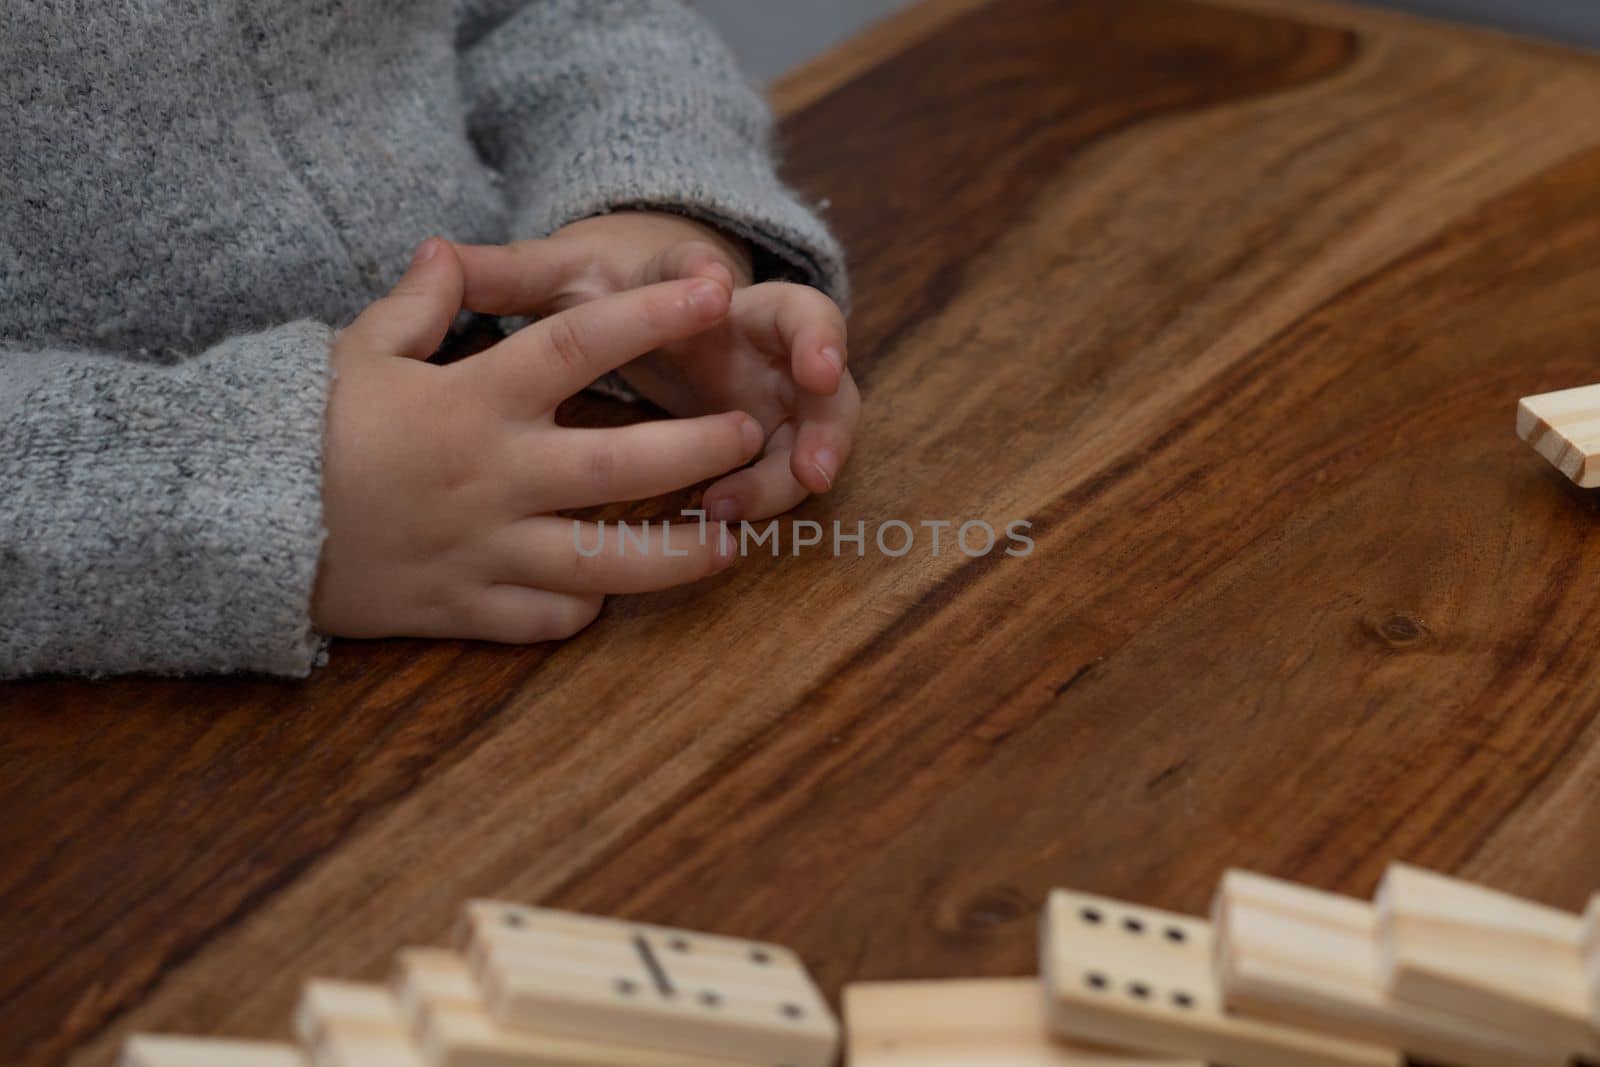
x,y
780,355
440,481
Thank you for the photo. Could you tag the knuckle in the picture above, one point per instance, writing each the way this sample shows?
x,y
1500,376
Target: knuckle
x,y
814,303
566,345
575,615
728,439
777,394
408,289
585,570
601,466
658,309
688,252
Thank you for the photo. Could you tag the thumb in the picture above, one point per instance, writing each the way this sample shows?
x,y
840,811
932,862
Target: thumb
x,y
523,278
413,319
688,259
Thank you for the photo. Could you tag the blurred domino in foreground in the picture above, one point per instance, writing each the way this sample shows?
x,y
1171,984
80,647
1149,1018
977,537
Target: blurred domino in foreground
x,y
1449,972
1486,955
440,1002
1591,958
983,1022
627,983
1142,979
152,1050
1302,956
351,1024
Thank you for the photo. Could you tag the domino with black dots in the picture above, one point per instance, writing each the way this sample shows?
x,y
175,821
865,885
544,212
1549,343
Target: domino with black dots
x,y
629,983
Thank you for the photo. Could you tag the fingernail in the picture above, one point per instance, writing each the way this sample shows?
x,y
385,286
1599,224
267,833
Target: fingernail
x,y
750,436
425,251
826,461
725,546
834,357
707,296
724,510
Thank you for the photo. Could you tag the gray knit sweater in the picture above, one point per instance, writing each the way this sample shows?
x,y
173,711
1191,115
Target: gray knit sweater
x,y
194,192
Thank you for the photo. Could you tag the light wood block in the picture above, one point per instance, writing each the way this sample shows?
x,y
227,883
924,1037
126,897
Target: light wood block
x,y
586,977
351,1024
1301,956
1591,957
441,1002
161,1050
1141,979
987,1022
1483,954
1564,428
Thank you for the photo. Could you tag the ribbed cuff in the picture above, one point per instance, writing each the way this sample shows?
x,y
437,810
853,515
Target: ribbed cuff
x,y
166,519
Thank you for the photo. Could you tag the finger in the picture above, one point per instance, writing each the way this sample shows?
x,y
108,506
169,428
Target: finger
x,y
803,325
522,278
762,490
689,259
585,558
518,615
825,435
413,319
643,460
543,364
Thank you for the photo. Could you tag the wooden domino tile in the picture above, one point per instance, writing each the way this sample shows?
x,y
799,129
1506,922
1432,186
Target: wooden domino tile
x,y
350,1024
1301,956
1141,979
439,999
1564,428
585,977
1482,954
986,1022
1591,958
160,1050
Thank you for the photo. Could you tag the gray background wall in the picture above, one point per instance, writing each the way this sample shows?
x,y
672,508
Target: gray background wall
x,y
1573,21
773,35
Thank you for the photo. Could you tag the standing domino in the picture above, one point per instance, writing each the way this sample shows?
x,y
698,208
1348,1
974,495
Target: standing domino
x,y
348,1024
1141,979
1591,958
1310,958
441,1003
628,983
1486,955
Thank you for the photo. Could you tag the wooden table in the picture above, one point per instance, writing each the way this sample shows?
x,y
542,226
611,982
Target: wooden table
x,y
1233,303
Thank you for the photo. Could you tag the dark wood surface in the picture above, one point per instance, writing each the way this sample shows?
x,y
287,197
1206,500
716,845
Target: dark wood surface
x,y
1233,303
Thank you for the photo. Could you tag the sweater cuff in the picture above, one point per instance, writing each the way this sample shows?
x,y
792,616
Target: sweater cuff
x,y
166,519
693,152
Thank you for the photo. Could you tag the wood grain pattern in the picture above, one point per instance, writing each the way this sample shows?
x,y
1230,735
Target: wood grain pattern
x,y
821,75
1233,306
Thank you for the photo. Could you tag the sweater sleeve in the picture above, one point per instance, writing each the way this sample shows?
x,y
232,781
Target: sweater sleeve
x,y
589,106
162,518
